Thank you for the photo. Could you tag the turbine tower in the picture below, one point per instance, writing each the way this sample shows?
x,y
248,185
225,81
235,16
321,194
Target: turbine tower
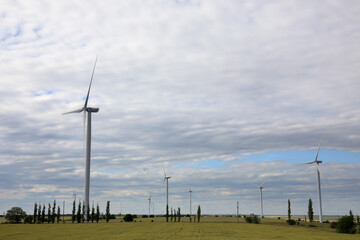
x,y
87,110
317,162
166,178
190,200
261,200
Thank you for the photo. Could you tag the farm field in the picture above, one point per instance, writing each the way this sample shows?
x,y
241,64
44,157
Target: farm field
x,y
210,228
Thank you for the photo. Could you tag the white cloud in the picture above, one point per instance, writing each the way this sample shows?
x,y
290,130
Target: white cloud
x,y
180,82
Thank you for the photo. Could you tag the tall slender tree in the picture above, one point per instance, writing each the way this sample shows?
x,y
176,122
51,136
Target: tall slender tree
x,y
43,214
199,213
73,212
167,213
53,216
78,214
35,212
83,212
88,214
58,215
107,211
179,214
97,213
92,213
310,211
49,213
172,215
39,214
289,209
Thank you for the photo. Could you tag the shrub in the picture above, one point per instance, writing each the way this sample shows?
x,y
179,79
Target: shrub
x,y
346,225
152,216
28,219
291,222
128,218
144,216
333,225
252,219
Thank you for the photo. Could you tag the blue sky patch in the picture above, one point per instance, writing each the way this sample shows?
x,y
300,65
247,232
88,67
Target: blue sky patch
x,y
325,155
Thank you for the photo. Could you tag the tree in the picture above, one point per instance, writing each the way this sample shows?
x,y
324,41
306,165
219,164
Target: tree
x,y
49,214
58,215
107,211
43,214
172,215
78,214
53,216
199,213
39,214
167,213
289,209
97,213
179,214
83,213
346,224
88,214
15,215
73,212
310,211
92,213
35,213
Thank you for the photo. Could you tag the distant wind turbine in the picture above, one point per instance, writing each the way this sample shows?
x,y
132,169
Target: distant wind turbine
x,y
87,110
190,199
149,205
261,200
166,178
317,162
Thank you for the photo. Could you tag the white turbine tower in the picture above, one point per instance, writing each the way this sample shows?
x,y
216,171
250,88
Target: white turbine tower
x,y
166,178
261,200
317,162
87,110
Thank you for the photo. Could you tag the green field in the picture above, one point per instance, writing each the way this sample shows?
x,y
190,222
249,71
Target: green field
x,y
209,228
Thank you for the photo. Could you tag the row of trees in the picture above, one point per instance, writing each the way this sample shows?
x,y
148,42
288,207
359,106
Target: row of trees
x,y
39,215
176,215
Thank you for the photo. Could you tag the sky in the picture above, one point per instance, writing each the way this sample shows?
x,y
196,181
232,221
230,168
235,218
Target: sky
x,y
226,95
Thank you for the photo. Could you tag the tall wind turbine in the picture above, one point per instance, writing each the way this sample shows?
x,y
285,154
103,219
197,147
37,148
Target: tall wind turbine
x,y
190,200
87,110
317,162
166,178
261,200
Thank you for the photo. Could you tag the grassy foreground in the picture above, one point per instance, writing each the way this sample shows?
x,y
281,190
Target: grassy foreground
x,y
162,230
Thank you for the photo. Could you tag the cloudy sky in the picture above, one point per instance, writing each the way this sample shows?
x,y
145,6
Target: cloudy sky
x,y
226,94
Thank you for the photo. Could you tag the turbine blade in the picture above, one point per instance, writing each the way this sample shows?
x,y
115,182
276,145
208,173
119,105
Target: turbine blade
x,y
88,93
75,111
262,184
164,170
307,163
318,149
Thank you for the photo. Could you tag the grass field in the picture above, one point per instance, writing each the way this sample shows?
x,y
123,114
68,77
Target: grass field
x,y
210,228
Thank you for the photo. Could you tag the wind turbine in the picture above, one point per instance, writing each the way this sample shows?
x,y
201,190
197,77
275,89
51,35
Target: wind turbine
x,y
166,178
261,200
149,205
317,162
87,110
190,199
